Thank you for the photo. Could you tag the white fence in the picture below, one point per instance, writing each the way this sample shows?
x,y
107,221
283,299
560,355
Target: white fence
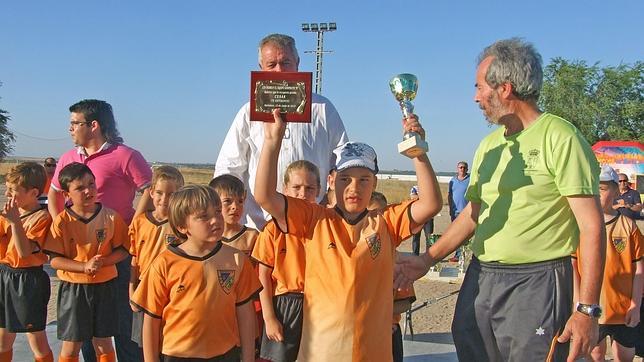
x,y
387,176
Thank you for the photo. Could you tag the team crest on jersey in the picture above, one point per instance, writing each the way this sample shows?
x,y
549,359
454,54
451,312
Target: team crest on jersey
x,y
619,244
170,239
533,159
374,244
226,279
101,234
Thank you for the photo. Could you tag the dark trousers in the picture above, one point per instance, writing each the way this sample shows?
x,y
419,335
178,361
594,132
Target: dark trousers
x,y
513,312
126,350
428,229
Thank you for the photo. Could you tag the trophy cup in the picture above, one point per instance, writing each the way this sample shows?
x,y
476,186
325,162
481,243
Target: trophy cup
x,y
404,87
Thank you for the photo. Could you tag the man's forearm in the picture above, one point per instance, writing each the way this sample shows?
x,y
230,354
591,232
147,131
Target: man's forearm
x,y
456,234
145,203
53,202
592,249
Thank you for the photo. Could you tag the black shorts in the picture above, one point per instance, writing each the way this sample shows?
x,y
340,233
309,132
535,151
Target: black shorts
x,y
86,311
137,328
24,294
397,343
639,342
620,333
234,355
288,311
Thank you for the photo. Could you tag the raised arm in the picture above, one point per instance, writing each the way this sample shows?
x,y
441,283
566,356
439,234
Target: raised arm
x,y
430,200
266,193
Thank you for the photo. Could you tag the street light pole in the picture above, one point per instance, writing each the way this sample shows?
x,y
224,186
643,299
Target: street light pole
x,y
320,29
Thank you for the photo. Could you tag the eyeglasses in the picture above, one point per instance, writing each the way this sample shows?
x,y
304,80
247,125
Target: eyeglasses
x,y
74,124
50,165
623,180
462,167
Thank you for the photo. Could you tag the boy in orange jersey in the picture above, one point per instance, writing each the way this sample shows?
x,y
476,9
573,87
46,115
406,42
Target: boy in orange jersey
x,y
349,250
232,194
150,233
24,285
196,295
621,293
402,298
86,241
281,271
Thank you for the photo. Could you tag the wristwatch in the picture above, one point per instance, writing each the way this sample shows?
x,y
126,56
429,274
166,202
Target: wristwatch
x,y
591,310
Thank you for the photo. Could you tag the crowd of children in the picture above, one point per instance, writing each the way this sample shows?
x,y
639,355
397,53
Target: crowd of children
x,y
315,284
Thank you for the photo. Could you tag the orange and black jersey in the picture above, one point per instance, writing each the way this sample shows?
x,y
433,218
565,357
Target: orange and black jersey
x,y
623,249
244,240
36,224
284,253
148,238
80,239
348,285
196,299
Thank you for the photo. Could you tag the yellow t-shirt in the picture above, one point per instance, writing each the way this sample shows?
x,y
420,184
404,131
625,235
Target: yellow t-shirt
x,y
521,182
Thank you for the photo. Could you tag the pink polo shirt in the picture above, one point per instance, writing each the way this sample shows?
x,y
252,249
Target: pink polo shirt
x,y
119,170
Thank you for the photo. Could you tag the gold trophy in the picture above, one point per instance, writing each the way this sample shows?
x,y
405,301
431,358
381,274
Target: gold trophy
x,y
404,87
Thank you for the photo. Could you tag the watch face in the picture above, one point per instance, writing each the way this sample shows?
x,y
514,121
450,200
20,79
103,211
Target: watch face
x,y
595,312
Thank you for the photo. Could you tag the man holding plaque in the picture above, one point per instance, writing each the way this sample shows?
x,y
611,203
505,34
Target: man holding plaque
x,y
313,141
533,200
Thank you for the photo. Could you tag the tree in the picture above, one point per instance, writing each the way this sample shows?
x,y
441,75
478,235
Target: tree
x,y
6,136
603,103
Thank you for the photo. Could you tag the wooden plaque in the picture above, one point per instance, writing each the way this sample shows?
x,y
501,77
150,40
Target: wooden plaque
x,y
289,91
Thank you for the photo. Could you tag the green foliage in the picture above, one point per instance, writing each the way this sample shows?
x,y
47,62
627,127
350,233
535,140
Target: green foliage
x,y
6,136
603,103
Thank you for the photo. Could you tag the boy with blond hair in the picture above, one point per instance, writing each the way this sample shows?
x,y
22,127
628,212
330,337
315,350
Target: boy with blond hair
x,y
86,241
281,271
621,293
24,285
150,234
196,295
348,280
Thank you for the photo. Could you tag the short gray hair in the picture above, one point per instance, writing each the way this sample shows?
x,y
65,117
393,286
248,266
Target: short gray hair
x,y
517,62
282,41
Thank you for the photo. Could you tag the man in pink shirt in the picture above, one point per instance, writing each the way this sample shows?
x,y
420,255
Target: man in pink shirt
x,y
120,171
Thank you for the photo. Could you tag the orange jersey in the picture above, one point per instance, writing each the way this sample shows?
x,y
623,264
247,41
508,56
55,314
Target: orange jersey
x,y
244,240
196,299
148,238
36,224
623,249
348,281
80,239
284,253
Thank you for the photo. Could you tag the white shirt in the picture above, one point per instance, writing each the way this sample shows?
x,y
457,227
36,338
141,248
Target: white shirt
x,y
315,142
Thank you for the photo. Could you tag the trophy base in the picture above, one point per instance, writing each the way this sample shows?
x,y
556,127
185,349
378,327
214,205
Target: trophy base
x,y
413,147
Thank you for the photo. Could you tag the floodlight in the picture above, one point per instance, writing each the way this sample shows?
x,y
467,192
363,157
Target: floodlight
x,y
323,27
332,26
305,27
314,27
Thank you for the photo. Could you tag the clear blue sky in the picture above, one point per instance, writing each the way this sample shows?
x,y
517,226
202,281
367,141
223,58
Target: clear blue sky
x,y
176,72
